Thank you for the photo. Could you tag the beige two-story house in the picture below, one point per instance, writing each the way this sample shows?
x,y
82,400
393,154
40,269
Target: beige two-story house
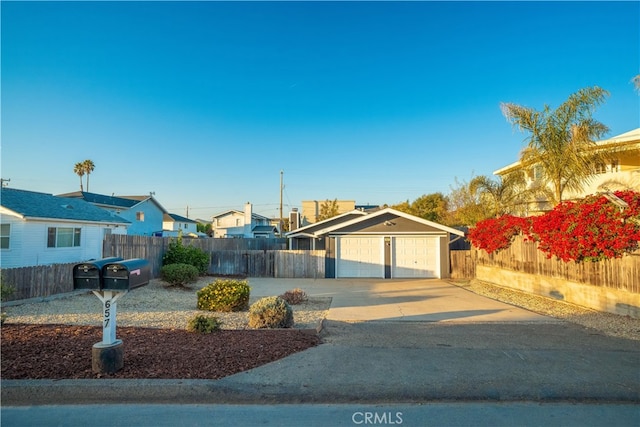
x,y
620,172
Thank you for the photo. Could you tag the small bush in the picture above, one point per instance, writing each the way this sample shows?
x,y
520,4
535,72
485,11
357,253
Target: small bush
x,y
6,290
294,296
270,312
224,295
3,317
179,274
177,253
203,324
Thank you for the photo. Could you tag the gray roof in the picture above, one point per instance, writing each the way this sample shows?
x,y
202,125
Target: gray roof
x,y
100,199
32,205
264,229
178,218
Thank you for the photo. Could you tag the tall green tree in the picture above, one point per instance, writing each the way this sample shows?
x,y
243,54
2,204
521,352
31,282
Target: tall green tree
x,y
78,169
88,166
561,142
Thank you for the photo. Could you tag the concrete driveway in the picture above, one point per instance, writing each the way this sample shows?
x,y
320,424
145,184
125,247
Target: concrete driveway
x,y
393,341
419,300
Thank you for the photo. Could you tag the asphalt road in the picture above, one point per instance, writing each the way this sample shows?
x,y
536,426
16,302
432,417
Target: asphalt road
x,y
424,415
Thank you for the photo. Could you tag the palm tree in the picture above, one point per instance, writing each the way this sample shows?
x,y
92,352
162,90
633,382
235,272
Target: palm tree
x,y
505,195
562,141
79,170
88,167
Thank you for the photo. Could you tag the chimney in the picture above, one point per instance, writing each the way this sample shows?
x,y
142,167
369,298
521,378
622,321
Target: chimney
x,y
248,212
294,219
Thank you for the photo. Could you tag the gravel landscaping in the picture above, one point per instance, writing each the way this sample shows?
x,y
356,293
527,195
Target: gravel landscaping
x,y
607,323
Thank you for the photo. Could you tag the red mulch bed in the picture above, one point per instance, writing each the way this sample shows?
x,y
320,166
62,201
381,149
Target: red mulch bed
x,y
64,352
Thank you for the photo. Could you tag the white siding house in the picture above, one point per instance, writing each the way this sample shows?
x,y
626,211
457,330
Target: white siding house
x,y
42,229
174,224
239,224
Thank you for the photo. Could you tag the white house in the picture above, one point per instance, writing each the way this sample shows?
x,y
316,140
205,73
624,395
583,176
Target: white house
x,y
41,229
144,213
174,224
242,224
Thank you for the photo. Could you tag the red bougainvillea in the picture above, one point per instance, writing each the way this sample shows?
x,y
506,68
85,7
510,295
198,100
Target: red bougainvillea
x,y
494,234
588,230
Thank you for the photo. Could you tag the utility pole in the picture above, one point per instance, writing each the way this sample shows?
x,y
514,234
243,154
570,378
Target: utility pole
x,y
281,187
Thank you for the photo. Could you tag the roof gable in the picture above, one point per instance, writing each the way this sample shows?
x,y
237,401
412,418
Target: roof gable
x,y
33,205
389,221
338,219
177,218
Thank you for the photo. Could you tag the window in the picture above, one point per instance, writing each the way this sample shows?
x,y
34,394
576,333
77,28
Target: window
x,y
237,222
600,168
62,237
140,216
5,234
615,165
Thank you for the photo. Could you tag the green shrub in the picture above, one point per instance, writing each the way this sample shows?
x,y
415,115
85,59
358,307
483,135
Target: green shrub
x,y
294,296
204,324
224,295
177,253
6,290
179,274
3,317
270,312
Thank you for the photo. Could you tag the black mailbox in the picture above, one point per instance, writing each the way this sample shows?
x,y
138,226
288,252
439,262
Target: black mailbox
x,y
125,275
88,275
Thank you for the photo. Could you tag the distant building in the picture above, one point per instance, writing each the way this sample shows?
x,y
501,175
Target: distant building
x,y
311,209
144,212
242,224
173,225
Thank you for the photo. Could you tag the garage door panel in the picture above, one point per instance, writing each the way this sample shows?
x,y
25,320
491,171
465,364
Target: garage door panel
x,y
360,257
415,257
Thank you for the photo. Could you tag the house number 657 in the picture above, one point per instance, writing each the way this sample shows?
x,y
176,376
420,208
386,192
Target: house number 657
x,y
107,312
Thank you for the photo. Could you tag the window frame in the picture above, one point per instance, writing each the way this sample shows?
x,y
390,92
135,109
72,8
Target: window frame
x,y
71,237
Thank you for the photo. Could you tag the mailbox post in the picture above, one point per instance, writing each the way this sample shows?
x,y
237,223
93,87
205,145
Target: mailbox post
x,y
110,279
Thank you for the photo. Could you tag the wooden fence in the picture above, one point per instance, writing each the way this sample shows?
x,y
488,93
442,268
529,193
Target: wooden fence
x,y
621,273
283,264
463,264
153,248
39,281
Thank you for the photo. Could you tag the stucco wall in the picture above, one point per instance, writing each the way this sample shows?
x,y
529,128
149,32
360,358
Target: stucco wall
x,y
595,297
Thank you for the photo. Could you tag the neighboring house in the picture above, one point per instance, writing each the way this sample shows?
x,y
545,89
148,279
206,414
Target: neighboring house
x,y
242,224
173,225
621,172
383,244
41,229
144,212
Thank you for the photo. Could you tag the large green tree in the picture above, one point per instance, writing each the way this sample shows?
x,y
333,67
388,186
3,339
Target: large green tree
x,y
561,142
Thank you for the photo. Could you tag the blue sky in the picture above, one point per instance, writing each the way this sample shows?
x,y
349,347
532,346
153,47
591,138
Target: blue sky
x,y
204,103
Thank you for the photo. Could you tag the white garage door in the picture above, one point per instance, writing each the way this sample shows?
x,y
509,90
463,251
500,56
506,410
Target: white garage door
x,y
415,257
360,257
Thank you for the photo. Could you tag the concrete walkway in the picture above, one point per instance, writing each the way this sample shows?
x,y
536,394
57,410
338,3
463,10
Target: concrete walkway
x,y
414,341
